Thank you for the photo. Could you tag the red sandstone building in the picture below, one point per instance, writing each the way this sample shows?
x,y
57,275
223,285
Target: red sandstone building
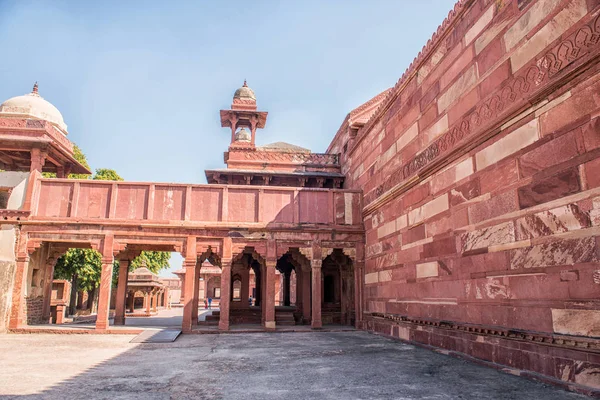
x,y
459,209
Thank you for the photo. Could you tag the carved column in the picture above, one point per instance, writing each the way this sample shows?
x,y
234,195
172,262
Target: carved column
x,y
155,301
105,283
148,302
196,294
359,269
48,277
299,299
245,289
225,295
121,292
269,300
316,264
188,302
306,301
182,296
17,311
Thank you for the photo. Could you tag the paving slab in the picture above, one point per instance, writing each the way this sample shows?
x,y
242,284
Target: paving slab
x,y
157,336
302,365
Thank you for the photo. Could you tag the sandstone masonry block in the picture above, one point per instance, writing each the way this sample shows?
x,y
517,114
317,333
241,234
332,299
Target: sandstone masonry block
x,y
508,145
576,322
460,86
573,12
427,270
481,23
528,21
407,136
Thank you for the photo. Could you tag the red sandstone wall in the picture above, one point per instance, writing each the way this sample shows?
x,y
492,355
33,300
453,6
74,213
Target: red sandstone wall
x,y
481,180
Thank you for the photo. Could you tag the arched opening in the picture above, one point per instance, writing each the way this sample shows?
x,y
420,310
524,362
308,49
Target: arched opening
x,y
236,292
337,289
247,288
329,289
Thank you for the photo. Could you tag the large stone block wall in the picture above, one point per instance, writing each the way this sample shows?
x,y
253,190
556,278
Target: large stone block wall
x,y
17,183
481,180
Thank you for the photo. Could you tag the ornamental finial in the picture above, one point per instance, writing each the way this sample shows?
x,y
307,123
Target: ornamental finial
x,y
35,88
245,85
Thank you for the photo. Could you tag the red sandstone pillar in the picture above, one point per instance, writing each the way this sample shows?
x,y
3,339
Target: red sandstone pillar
x,y
17,312
270,278
121,292
154,300
225,295
131,301
148,302
359,269
316,293
188,303
245,289
196,294
182,296
48,277
105,283
60,314
306,302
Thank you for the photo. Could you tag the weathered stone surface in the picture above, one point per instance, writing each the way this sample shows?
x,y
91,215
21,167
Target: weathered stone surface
x,y
551,188
511,143
7,271
372,277
488,35
562,219
498,205
560,252
452,175
428,270
554,152
436,129
529,20
428,210
482,238
454,91
478,26
569,15
576,322
407,137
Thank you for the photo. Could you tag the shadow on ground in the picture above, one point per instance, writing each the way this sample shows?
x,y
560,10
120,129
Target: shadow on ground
x,y
344,365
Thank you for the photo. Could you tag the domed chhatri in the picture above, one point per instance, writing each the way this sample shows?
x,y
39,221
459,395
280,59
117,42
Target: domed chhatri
x,y
244,93
243,136
32,105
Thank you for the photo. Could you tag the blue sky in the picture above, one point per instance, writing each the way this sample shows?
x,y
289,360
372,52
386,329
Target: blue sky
x,y
140,83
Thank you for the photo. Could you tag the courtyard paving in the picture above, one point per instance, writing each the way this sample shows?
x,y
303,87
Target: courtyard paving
x,y
335,365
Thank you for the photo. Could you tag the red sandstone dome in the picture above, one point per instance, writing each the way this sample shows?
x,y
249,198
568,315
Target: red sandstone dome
x,y
33,106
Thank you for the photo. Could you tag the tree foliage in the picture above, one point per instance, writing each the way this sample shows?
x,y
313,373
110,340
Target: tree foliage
x,y
105,174
153,260
79,156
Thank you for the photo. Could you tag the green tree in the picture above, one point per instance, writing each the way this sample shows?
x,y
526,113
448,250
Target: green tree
x,y
79,156
105,174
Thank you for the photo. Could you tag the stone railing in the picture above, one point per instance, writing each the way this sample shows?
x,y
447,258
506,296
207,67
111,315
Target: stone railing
x,y
180,204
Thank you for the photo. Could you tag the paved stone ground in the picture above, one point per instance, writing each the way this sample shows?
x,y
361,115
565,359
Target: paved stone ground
x,y
342,365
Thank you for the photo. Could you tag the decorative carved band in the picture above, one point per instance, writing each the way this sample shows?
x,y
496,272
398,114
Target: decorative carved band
x,y
297,158
538,337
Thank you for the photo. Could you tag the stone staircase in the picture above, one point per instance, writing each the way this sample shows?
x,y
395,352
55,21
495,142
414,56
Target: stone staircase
x,y
284,318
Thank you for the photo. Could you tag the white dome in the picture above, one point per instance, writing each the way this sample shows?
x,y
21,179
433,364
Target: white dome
x,y
32,105
243,136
